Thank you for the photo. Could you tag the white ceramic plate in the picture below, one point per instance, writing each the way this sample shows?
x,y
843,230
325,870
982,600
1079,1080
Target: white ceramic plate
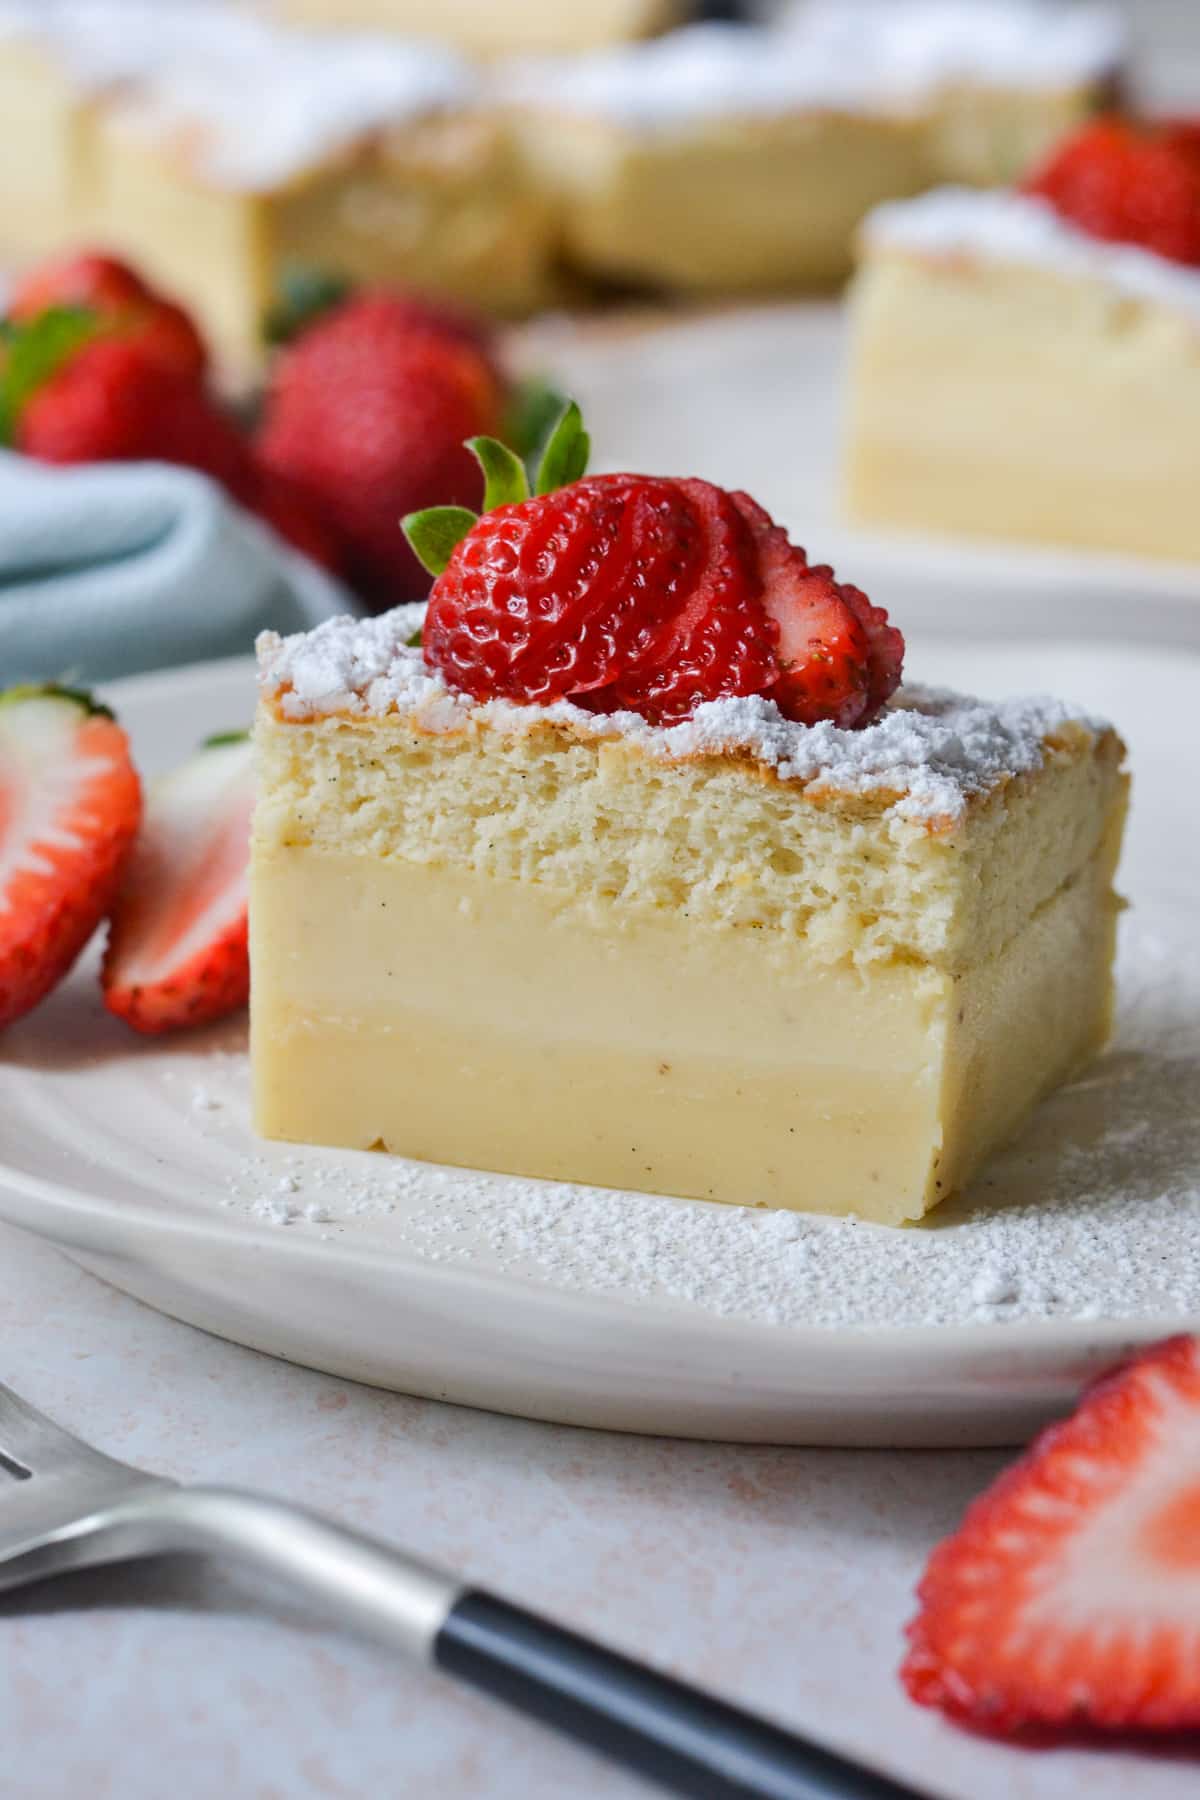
x,y
137,1159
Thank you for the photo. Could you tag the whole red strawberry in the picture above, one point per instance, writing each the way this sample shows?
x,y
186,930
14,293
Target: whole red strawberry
x,y
366,417
638,593
278,503
1133,184
111,400
117,295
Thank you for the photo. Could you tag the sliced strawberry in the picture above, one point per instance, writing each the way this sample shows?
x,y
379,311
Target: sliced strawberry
x,y
840,659
1070,1595
716,640
640,593
177,952
69,808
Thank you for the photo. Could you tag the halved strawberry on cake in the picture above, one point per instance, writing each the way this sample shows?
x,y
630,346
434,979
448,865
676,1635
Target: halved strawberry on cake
x,y
641,869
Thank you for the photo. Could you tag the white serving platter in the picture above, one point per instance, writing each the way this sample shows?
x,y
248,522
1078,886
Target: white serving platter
x,y
137,1159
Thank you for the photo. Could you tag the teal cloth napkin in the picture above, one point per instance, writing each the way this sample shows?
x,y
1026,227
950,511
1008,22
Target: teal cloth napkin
x,y
110,569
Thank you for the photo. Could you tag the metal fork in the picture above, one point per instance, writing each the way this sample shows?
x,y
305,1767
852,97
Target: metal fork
x,y
64,1505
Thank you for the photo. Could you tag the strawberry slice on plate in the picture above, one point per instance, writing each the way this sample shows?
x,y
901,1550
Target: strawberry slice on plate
x,y
177,952
69,808
1070,1595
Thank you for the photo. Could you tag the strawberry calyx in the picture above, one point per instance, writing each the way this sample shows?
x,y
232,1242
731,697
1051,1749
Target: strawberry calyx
x,y
435,533
33,351
305,295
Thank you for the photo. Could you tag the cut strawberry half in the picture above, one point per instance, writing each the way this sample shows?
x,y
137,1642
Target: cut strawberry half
x,y
177,953
69,808
1070,1595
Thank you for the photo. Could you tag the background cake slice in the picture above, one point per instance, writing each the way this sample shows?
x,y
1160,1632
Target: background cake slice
x,y
375,160
739,159
1014,376
484,28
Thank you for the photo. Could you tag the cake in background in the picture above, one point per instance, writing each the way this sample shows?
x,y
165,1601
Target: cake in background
x,y
216,151
487,28
723,158
216,147
41,187
998,81
1026,364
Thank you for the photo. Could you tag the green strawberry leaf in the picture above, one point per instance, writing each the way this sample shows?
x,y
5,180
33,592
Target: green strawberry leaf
x,y
33,352
219,739
304,296
434,533
534,407
505,480
565,457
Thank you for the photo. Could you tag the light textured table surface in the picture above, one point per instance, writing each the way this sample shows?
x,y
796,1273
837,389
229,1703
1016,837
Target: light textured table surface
x,y
782,1577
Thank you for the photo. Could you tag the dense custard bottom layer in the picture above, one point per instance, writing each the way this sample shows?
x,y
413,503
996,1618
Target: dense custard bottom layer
x,y
499,1024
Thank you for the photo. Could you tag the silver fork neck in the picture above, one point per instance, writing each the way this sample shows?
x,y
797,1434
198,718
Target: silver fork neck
x,y
373,1589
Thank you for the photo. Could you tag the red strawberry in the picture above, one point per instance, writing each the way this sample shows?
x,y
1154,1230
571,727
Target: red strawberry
x,y
177,952
640,593
110,401
119,297
278,502
308,294
69,808
1070,1595
367,416
1131,183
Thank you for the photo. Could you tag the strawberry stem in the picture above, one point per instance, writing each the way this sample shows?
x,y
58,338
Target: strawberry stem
x,y
565,458
505,480
435,533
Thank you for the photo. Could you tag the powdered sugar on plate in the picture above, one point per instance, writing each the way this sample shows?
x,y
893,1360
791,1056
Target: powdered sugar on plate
x,y
930,753
1093,1213
1007,227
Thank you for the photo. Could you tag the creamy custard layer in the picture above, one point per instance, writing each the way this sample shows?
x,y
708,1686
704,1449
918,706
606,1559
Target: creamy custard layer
x,y
454,1016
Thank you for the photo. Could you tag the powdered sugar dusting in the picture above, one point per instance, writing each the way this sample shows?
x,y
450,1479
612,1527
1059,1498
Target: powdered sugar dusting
x,y
857,56
925,44
1007,227
255,104
930,753
1093,1213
